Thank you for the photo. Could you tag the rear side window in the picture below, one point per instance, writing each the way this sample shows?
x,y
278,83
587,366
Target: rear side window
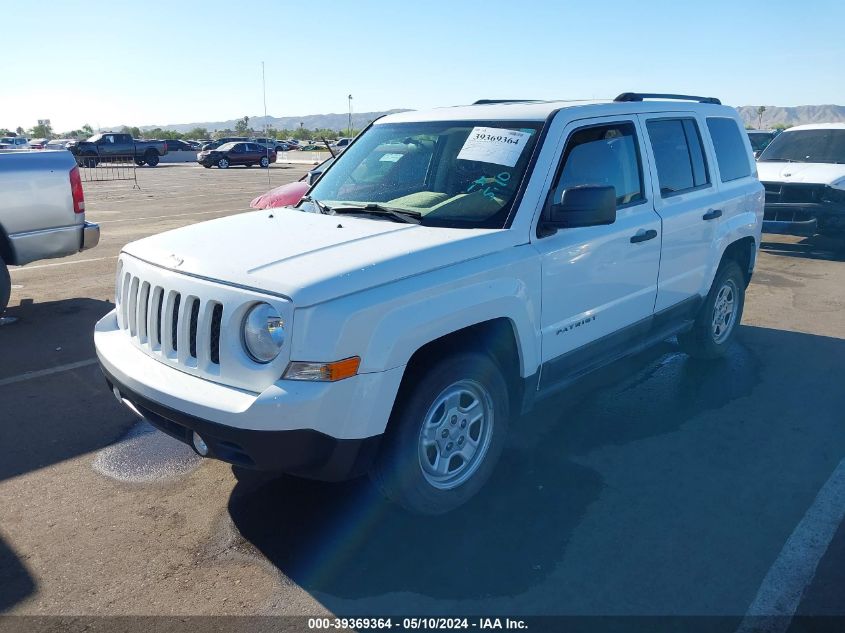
x,y
603,155
679,155
730,150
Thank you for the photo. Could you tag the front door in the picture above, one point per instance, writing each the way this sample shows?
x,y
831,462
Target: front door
x,y
599,283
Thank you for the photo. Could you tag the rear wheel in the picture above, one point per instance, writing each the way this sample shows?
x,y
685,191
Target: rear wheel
x,y
265,162
717,321
445,435
151,158
5,286
223,163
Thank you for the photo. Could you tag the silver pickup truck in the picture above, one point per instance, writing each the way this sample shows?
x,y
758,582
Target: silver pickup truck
x,y
42,211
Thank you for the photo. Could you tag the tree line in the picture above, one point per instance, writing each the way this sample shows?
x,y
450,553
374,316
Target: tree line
x,y
242,128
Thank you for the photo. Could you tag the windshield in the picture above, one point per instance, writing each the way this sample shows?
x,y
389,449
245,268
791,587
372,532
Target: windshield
x,y
807,146
226,147
461,174
760,140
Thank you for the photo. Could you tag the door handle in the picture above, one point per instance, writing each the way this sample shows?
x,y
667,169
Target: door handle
x,y
643,236
712,214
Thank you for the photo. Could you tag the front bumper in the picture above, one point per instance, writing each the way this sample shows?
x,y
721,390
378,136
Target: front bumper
x,y
302,452
803,218
317,429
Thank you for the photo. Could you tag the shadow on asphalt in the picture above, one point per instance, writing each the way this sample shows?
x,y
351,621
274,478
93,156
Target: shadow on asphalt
x,y
817,247
53,418
15,581
344,541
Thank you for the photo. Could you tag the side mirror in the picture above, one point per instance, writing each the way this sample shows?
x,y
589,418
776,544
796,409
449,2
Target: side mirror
x,y
588,205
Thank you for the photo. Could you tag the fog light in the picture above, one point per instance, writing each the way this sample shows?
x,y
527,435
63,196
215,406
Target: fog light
x,y
200,445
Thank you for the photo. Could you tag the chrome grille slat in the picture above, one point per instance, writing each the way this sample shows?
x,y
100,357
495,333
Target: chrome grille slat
x,y
143,310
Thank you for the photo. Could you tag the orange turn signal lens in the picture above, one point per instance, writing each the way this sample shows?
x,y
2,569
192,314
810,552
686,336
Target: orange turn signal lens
x,y
323,372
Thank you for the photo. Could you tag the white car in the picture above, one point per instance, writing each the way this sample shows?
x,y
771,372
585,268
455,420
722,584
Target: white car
x,y
14,142
803,171
417,301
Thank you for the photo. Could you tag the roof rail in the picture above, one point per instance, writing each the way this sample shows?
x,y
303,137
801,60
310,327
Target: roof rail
x,y
639,96
492,101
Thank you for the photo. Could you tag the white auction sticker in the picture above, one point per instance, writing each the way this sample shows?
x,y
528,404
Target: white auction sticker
x,y
390,158
494,145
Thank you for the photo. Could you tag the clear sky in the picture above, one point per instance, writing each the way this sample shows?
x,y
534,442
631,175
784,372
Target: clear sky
x,y
111,62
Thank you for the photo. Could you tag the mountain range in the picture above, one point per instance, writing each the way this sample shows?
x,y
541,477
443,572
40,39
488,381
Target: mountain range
x,y
773,115
331,121
797,115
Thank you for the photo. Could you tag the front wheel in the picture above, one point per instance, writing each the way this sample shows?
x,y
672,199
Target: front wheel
x,y
445,435
223,163
139,162
717,322
5,286
265,162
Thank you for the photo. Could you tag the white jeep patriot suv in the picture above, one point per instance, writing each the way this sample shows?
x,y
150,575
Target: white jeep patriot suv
x,y
451,268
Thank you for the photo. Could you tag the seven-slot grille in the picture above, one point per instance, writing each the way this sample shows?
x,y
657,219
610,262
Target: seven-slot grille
x,y
180,326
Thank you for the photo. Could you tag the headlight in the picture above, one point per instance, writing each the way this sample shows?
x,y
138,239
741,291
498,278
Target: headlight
x,y
263,332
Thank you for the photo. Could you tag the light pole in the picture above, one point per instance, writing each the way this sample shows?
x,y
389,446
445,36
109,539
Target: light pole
x,y
349,127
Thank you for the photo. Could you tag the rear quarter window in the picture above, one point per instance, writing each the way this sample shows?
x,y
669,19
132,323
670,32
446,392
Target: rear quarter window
x,y
731,155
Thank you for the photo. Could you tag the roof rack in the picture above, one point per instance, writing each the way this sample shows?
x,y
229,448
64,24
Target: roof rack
x,y
639,96
491,101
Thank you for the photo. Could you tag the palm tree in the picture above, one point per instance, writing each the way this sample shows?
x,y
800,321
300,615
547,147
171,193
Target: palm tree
x,y
760,111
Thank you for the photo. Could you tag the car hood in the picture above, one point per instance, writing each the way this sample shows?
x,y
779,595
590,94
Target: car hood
x,y
312,258
817,173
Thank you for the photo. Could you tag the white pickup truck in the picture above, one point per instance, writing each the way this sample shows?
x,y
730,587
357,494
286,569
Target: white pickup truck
x,y
42,211
450,268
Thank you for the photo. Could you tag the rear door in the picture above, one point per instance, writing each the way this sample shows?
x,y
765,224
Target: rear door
x,y
687,201
599,283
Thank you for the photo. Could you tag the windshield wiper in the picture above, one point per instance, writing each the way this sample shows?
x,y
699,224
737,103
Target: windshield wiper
x,y
322,208
403,215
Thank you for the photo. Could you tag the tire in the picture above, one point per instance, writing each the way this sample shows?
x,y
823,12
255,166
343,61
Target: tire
x,y
5,286
427,423
265,162
151,158
716,324
223,163
138,162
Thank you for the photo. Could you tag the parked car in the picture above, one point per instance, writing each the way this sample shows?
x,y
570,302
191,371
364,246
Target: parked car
x,y
274,144
760,139
228,154
195,145
14,142
341,144
58,143
38,143
803,171
176,145
393,325
291,193
223,141
42,211
115,145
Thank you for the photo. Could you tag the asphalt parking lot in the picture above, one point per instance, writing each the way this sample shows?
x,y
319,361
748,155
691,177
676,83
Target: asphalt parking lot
x,y
659,485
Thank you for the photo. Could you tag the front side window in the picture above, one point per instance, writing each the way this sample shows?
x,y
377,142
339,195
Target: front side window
x,y
603,155
807,146
462,174
731,154
678,154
